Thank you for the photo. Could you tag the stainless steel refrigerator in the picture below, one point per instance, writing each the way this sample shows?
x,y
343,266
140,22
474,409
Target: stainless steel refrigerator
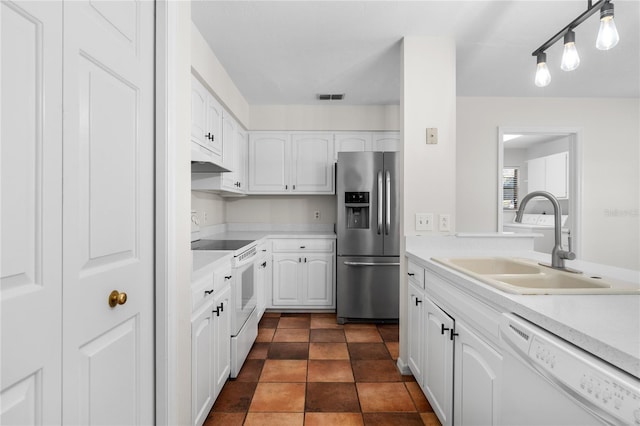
x,y
367,281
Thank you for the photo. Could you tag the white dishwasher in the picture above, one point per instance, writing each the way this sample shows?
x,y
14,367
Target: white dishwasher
x,y
548,381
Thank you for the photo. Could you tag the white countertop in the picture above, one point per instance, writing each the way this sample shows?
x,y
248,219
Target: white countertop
x,y
608,326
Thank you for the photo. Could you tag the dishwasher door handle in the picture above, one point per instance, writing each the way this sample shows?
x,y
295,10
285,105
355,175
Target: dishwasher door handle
x,y
371,264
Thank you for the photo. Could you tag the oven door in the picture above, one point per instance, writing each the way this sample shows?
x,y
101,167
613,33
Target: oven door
x,y
243,293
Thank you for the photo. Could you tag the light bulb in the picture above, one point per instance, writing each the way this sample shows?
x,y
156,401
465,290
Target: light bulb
x,y
543,76
570,58
608,34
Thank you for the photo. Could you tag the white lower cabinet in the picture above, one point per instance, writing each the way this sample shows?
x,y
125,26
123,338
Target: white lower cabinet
x,y
438,361
477,380
457,367
210,352
303,274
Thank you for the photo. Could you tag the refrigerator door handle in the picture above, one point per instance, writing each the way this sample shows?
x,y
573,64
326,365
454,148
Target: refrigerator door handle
x,y
380,202
387,201
371,264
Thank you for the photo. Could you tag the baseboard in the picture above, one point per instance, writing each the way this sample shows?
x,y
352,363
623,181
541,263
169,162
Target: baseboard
x,y
403,367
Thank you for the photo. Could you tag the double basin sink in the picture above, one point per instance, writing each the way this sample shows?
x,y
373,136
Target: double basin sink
x,y
522,276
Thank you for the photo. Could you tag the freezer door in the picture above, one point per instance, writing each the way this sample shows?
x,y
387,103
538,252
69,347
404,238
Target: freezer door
x,y
367,288
391,204
360,192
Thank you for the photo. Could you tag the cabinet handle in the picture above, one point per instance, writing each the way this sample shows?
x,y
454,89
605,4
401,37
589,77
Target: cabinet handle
x,y
299,259
305,260
208,292
228,277
451,334
303,247
286,187
443,328
411,274
418,301
264,264
221,307
294,187
216,312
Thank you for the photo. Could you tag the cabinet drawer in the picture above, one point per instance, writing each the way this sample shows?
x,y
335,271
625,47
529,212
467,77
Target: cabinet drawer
x,y
201,291
416,274
294,245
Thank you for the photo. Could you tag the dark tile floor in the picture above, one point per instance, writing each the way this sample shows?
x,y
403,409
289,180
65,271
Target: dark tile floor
x,y
305,369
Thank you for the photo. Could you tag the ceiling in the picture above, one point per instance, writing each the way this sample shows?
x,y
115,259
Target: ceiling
x,y
287,52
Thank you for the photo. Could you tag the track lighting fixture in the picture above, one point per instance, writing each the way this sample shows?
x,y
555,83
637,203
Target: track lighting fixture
x,y
607,38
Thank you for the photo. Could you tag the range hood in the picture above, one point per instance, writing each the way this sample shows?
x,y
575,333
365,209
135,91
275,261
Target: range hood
x,y
201,163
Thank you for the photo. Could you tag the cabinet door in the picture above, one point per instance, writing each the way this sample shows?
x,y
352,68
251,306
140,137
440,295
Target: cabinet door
x,y
416,332
438,365
477,379
213,133
386,141
202,364
269,158
318,279
536,175
198,112
221,338
556,174
352,142
229,133
240,159
312,166
286,279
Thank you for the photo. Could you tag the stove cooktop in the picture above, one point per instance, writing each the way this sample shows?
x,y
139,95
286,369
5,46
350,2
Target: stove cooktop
x,y
219,244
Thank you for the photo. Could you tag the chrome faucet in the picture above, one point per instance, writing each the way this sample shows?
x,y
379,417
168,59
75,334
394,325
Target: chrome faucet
x,y
558,255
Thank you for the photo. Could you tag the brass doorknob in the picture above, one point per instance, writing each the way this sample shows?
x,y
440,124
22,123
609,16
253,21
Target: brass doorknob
x,y
117,298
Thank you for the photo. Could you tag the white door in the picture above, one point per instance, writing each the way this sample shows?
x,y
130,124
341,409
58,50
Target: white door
x,y
31,178
386,141
108,358
318,280
352,142
416,332
202,363
221,332
269,159
438,359
312,165
477,380
286,275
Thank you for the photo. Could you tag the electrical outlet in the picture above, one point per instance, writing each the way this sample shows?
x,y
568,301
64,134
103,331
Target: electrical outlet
x,y
424,221
444,222
316,215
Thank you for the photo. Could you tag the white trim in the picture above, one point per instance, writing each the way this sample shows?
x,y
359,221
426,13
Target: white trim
x,y
403,367
166,399
575,176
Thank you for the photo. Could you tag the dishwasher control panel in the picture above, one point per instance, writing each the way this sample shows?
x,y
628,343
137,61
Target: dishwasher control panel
x,y
603,389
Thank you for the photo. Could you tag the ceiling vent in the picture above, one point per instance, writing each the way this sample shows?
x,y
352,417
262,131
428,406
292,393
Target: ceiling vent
x,y
331,97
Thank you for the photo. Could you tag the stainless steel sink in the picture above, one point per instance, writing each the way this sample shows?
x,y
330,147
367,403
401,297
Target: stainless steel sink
x,y
523,276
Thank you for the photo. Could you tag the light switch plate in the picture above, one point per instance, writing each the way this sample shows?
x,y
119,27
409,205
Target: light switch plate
x,y
424,221
432,135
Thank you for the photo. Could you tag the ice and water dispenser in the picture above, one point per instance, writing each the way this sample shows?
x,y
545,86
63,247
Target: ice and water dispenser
x,y
357,205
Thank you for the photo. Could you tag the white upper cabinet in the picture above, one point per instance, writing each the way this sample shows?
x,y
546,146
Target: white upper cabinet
x,y
352,142
290,163
312,165
386,141
549,173
206,121
366,141
269,159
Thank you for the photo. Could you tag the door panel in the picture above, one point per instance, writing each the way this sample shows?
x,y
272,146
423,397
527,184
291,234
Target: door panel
x,y
392,204
31,190
286,276
319,279
108,212
312,159
358,172
269,159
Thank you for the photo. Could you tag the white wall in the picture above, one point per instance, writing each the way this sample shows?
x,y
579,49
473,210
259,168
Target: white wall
x,y
283,209
206,65
330,117
428,99
610,150
210,207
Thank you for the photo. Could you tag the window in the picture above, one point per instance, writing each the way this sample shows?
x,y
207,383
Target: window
x,y
510,188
